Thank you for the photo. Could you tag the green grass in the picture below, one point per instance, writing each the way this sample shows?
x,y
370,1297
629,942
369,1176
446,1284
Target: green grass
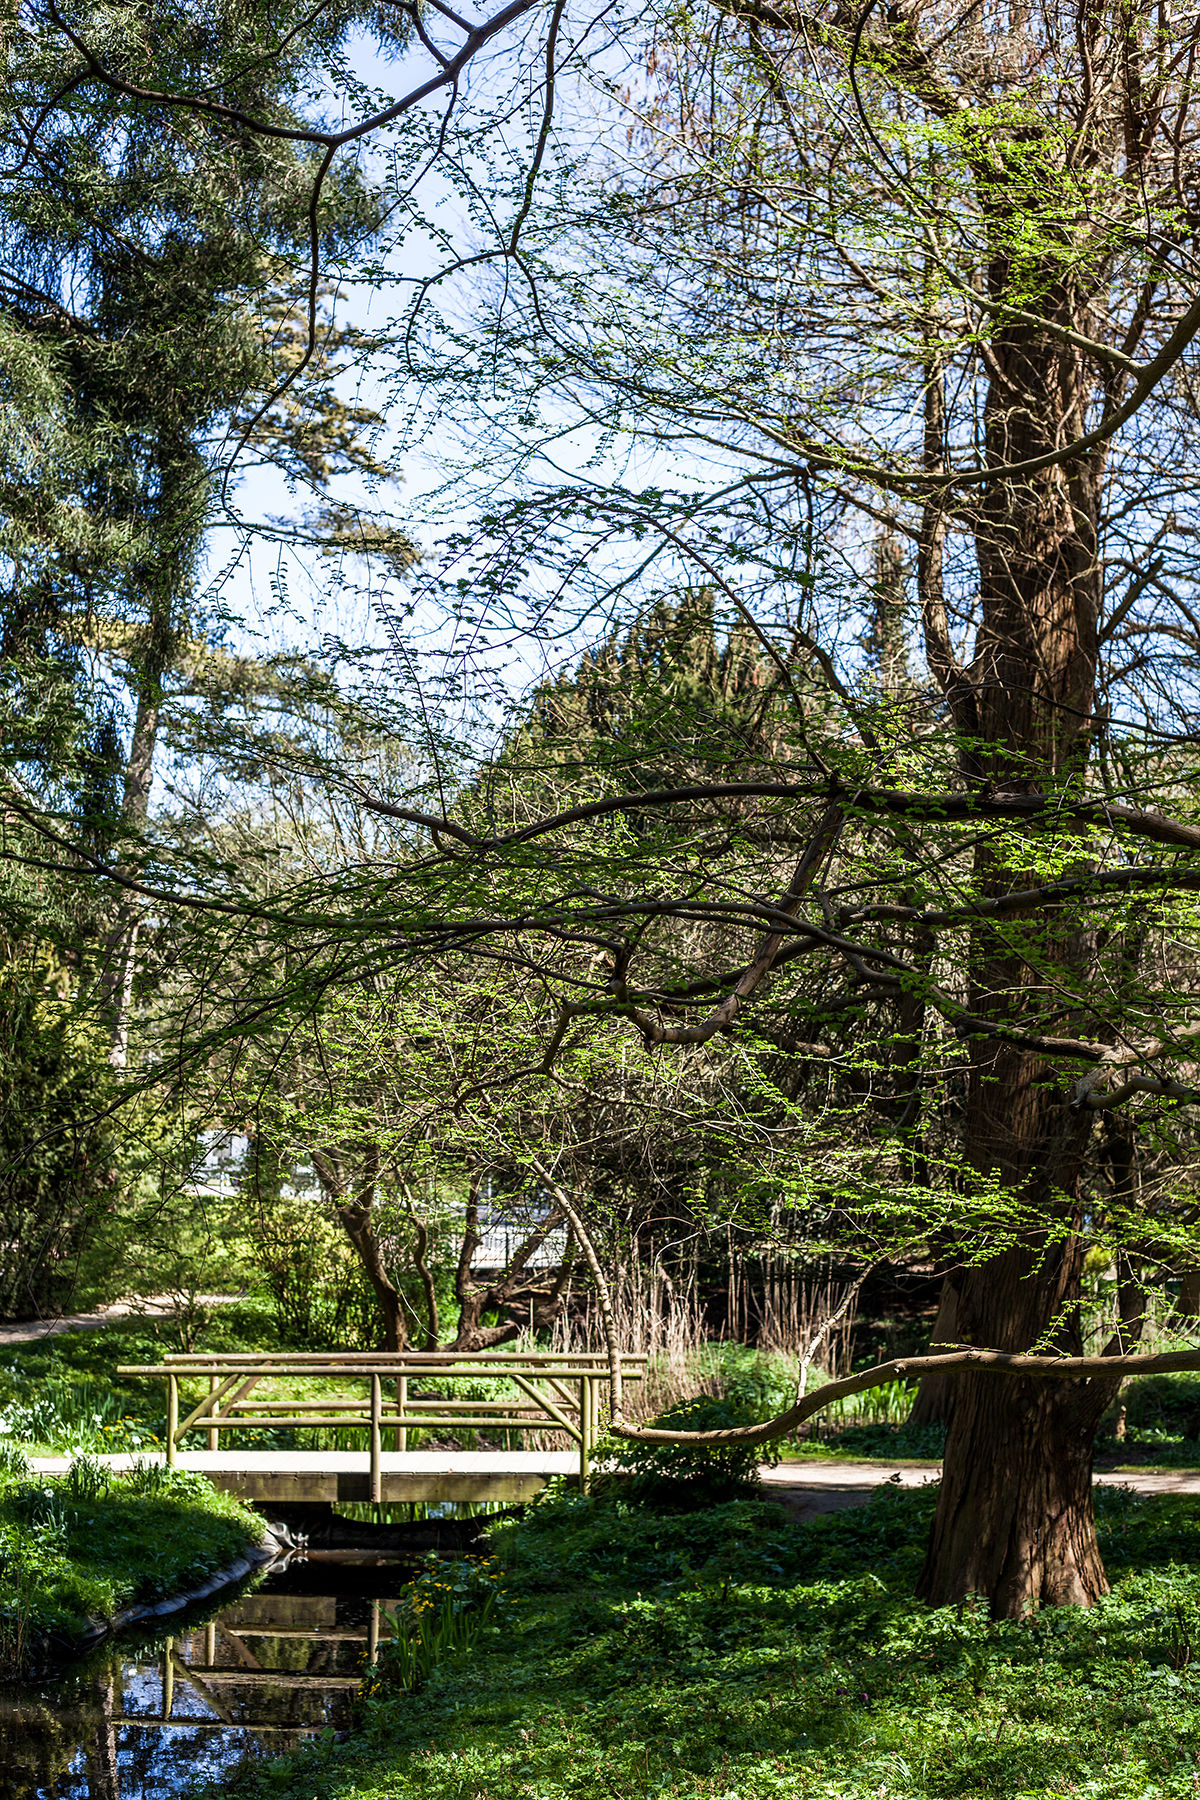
x,y
731,1653
880,1442
74,1549
1162,1428
63,1393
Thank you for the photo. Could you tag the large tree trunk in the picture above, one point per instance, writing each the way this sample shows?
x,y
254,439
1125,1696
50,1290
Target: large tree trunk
x,y
1014,1519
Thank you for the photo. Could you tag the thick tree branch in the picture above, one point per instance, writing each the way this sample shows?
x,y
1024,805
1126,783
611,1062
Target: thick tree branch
x,y
992,1362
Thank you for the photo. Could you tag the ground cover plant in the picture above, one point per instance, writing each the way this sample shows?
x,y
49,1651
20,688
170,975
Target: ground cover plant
x,y
735,1652
84,1546
444,1611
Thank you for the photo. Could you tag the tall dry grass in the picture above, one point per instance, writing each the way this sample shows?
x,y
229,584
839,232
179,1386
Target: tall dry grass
x,y
803,1316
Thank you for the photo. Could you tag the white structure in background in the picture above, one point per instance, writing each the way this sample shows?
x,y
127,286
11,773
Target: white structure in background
x,y
502,1229
218,1171
503,1232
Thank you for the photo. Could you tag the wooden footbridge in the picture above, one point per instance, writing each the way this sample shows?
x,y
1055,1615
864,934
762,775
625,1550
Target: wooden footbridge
x,y
382,1398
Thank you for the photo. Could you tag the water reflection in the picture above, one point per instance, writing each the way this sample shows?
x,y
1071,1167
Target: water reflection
x,y
142,1720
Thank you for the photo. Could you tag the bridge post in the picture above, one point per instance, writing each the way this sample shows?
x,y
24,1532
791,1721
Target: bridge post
x,y
213,1384
585,1431
402,1408
376,1414
172,1419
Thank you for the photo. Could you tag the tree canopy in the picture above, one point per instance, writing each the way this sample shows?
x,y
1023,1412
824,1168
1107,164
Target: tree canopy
x,y
765,775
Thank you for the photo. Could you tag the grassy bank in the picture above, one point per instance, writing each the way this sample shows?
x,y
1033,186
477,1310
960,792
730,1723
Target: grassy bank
x,y
730,1654
82,1547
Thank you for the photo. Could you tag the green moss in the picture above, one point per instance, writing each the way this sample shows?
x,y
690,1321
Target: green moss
x,y
67,1555
733,1653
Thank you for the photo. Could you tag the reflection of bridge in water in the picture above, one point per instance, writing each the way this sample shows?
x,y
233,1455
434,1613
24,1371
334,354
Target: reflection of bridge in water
x,y
265,1655
269,1670
270,1654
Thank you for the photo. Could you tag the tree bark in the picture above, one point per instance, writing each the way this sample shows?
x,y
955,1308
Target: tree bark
x,y
432,1330
163,582
1014,1519
120,948
1189,1293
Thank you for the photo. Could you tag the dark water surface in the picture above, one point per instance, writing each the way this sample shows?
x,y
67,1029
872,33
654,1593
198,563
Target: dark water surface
x,y
144,1717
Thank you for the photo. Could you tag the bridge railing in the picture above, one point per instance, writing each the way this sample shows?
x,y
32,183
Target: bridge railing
x,y
557,1393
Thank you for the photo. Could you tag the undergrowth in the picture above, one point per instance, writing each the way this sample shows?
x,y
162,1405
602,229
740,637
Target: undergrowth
x,y
63,1394
450,1604
733,1654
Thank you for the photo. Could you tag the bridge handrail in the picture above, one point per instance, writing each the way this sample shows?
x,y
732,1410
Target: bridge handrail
x,y
497,1359
559,1391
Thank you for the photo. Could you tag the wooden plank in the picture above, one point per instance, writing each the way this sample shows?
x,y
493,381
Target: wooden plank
x,y
214,1396
209,1698
391,1359
559,1418
334,1635
243,1652
427,1402
362,1368
362,1422
376,1412
186,1724
309,1615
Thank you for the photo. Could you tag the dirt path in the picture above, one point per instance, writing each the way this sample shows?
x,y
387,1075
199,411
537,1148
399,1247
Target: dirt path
x,y
807,1488
156,1306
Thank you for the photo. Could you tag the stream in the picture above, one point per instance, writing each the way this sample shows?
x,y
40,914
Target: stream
x,y
144,1716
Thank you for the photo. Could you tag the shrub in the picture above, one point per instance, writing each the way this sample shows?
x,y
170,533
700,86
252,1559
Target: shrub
x,y
686,1475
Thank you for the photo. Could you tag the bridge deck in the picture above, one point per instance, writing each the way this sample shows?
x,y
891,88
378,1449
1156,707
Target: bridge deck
x,y
306,1475
515,1475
